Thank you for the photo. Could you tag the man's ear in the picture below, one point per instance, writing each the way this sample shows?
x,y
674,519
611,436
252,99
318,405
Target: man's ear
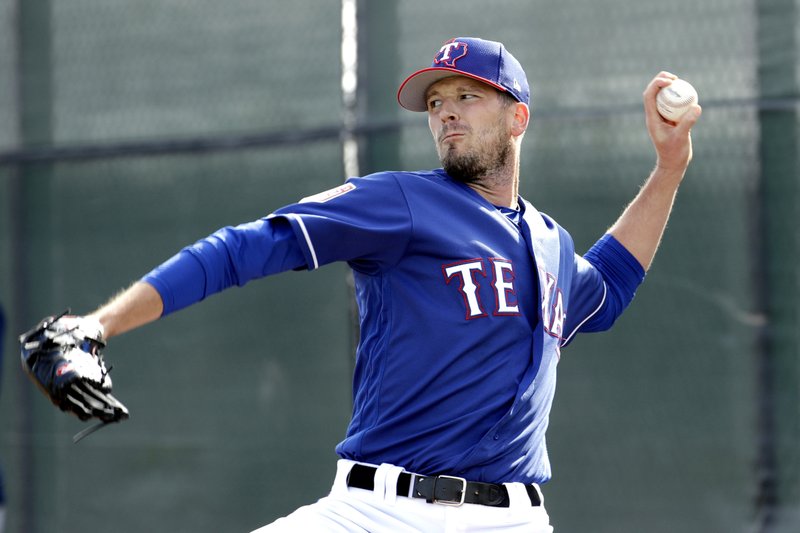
x,y
522,116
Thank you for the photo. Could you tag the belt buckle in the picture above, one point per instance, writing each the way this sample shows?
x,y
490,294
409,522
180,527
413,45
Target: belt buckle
x,y
449,502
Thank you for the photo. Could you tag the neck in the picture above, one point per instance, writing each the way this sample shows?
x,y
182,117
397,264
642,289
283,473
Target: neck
x,y
500,187
499,196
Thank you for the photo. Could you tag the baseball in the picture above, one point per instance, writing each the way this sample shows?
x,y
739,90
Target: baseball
x,y
675,99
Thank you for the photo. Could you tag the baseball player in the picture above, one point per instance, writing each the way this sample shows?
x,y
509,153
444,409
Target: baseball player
x,y
466,292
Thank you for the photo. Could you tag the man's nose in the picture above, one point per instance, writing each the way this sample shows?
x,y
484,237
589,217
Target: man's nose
x,y
448,111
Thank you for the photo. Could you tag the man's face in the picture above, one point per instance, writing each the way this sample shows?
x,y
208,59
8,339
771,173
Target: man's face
x,y
471,126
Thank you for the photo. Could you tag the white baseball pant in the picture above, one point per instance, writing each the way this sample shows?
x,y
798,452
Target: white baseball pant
x,y
382,510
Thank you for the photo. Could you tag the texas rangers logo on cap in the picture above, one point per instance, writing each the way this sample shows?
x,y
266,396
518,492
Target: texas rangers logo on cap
x,y
486,61
450,53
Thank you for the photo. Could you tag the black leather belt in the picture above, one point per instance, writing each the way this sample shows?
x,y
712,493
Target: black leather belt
x,y
447,490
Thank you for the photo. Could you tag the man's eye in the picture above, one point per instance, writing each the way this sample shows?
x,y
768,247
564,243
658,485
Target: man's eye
x,y
433,104
467,96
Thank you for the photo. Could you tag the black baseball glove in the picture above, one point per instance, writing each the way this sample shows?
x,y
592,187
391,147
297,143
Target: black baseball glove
x,y
62,356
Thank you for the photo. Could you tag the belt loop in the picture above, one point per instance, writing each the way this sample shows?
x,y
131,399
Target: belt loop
x,y
411,484
380,481
343,467
517,495
386,477
539,492
392,475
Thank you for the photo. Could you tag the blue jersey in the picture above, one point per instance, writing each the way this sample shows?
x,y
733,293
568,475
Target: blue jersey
x,y
464,309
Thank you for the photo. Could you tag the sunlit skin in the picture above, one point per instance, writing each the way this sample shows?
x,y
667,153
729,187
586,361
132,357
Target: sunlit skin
x,y
477,135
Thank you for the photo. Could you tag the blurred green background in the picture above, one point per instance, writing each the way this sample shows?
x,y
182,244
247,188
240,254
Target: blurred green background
x,y
130,129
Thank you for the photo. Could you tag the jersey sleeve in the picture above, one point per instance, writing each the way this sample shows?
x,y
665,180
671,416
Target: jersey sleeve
x,y
604,283
365,222
227,257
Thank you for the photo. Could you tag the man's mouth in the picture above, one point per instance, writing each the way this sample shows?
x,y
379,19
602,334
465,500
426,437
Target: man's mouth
x,y
451,135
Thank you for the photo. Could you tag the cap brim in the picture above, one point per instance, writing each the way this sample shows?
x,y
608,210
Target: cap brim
x,y
412,92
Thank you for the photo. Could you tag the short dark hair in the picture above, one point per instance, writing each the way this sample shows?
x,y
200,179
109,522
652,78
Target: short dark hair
x,y
506,99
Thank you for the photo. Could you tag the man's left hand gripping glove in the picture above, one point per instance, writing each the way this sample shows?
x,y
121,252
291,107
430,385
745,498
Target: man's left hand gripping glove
x,y
62,356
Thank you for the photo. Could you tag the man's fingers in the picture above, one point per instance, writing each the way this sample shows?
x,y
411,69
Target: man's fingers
x,y
661,80
690,118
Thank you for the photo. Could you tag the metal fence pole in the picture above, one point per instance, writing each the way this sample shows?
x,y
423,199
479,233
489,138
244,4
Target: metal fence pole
x,y
777,252
379,64
31,221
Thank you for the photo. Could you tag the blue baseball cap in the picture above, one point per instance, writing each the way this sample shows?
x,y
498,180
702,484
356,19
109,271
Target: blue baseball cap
x,y
485,61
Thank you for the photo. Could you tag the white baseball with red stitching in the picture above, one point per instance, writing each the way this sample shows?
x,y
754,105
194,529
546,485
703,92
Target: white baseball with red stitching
x,y
676,99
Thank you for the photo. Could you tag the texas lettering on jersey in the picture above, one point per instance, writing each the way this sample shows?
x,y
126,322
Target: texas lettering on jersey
x,y
467,276
553,312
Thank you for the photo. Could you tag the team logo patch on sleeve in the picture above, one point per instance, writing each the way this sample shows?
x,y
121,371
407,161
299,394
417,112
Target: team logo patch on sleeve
x,y
329,194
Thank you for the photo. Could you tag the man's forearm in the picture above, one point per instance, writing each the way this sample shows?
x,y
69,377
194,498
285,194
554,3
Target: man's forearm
x,y
642,224
640,227
133,307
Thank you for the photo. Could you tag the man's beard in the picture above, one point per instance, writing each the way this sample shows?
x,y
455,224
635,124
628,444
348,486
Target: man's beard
x,y
473,166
